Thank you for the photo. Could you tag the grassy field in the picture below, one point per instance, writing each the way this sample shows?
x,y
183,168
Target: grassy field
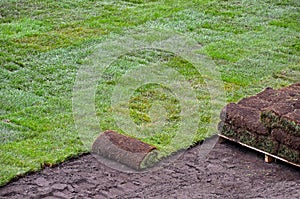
x,y
254,44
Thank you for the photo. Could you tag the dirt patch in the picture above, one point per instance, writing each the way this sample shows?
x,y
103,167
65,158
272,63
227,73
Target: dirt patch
x,y
229,171
268,121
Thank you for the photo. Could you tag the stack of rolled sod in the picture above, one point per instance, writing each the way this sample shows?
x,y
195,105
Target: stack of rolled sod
x,y
269,121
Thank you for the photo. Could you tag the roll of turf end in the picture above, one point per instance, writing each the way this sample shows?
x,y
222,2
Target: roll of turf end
x,y
125,150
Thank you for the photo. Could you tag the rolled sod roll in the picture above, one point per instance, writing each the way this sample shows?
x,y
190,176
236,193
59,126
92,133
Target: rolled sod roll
x,y
254,102
248,138
124,149
242,117
228,130
289,122
270,120
289,154
268,144
275,96
286,138
239,134
292,120
281,108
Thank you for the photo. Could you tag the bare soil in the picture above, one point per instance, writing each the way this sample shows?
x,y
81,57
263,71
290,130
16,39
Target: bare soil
x,y
228,171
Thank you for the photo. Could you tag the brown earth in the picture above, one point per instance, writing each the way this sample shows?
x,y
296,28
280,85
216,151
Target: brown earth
x,y
228,171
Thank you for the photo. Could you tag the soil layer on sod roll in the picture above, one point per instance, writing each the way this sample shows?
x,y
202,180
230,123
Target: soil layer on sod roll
x,y
269,121
124,149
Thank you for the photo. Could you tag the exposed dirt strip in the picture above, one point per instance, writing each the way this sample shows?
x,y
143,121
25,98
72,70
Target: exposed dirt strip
x,y
229,171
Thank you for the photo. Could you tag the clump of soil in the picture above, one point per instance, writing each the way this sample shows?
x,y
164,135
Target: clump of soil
x,y
269,121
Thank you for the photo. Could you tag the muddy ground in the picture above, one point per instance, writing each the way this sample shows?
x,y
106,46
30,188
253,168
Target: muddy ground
x,y
229,171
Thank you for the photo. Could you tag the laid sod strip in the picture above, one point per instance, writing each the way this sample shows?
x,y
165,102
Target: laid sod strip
x,y
262,126
44,43
124,149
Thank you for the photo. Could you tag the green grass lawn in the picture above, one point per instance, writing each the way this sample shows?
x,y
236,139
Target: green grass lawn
x,y
43,44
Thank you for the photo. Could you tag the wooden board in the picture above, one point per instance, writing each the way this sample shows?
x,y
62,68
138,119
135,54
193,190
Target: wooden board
x,y
268,156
